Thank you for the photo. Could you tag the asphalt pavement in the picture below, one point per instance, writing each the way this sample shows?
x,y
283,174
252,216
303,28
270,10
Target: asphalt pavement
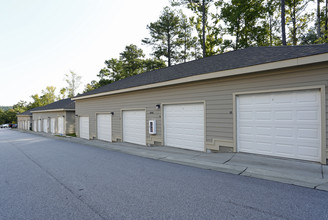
x,y
49,177
296,172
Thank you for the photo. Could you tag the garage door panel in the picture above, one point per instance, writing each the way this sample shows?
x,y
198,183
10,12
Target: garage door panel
x,y
284,148
45,125
307,97
60,125
84,127
283,122
184,126
53,126
39,125
305,151
104,127
134,127
185,136
310,133
286,115
308,115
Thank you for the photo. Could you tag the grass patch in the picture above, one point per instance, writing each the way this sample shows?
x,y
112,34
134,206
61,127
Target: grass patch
x,y
71,135
59,135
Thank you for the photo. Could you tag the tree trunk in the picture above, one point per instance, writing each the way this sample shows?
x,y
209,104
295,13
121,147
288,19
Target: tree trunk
x,y
204,48
294,31
237,36
326,20
318,19
168,49
185,49
283,25
270,24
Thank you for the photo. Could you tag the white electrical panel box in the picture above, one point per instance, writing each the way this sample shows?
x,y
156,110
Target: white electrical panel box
x,y
152,126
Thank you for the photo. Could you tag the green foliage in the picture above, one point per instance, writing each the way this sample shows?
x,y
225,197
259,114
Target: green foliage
x,y
214,42
297,19
8,114
73,82
48,96
164,35
20,107
5,108
131,62
185,39
95,85
244,22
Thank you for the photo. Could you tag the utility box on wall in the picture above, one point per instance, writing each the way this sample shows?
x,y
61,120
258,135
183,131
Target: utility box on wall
x,y
152,126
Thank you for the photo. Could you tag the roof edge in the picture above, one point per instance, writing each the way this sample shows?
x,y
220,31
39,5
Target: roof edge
x,y
53,110
225,73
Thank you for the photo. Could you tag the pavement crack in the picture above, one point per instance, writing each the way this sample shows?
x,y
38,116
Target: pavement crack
x,y
230,158
61,183
315,187
243,171
161,158
252,208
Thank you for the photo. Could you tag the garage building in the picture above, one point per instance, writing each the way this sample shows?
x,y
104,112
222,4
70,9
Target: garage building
x,y
261,100
55,118
24,120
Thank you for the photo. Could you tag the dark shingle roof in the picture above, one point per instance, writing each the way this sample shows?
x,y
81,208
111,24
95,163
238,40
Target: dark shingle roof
x,y
226,61
26,113
66,104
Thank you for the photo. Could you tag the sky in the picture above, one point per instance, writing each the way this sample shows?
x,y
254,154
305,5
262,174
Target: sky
x,y
42,40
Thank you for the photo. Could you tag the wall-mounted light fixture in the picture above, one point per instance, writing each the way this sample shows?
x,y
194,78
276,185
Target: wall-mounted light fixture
x,y
158,106
112,113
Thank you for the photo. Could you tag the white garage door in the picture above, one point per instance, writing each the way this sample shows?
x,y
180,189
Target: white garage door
x,y
45,125
184,126
34,126
134,127
53,125
104,127
284,124
60,125
84,127
39,125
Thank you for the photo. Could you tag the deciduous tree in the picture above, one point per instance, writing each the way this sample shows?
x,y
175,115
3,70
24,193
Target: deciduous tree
x,y
73,82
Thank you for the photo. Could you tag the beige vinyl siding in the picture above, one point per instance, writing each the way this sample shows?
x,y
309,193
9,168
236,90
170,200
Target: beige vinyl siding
x,y
217,94
69,120
22,121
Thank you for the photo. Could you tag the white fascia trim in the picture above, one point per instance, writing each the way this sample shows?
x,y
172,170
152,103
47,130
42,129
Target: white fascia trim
x,y
233,72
